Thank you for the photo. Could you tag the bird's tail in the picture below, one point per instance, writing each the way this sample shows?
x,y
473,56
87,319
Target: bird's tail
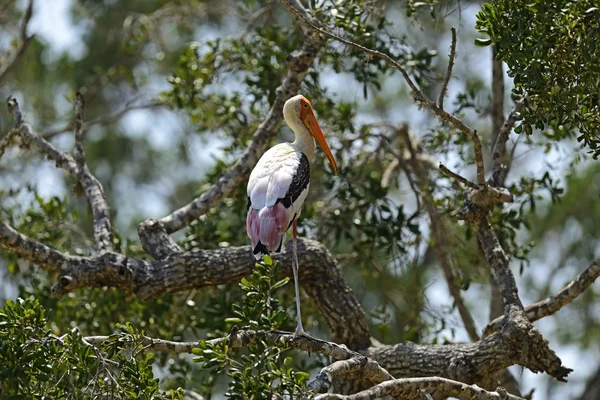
x,y
266,228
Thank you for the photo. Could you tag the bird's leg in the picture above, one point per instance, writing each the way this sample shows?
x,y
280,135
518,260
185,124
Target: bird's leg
x,y
299,328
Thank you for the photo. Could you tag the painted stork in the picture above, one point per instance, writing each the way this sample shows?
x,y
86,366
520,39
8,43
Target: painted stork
x,y
279,184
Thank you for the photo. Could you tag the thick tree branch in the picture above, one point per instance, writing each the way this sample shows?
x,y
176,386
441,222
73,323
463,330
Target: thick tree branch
x,y
14,58
497,179
319,276
557,301
497,113
154,233
539,356
471,363
32,250
368,369
499,264
103,236
409,387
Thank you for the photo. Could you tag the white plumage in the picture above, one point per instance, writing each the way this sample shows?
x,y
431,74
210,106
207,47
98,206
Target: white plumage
x,y
273,175
270,182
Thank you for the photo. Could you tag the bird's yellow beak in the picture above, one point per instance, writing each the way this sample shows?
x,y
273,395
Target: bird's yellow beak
x,y
309,119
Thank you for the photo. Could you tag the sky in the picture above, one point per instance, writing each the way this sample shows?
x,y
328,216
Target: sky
x,y
52,22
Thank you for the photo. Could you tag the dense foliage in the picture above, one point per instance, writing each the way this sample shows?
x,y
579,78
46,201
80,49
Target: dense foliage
x,y
552,52
37,364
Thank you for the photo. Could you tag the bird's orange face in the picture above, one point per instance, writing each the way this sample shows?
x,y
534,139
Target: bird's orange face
x,y
310,121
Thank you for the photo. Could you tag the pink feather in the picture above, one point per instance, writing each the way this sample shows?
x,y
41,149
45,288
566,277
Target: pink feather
x,y
267,225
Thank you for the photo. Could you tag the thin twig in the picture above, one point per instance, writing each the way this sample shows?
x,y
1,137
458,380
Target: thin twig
x,y
499,168
457,177
357,46
79,119
25,41
449,71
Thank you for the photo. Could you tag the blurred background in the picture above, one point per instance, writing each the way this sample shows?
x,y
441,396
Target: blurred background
x,y
175,90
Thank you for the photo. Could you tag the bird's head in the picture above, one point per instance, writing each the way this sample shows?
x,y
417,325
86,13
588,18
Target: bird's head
x,y
298,110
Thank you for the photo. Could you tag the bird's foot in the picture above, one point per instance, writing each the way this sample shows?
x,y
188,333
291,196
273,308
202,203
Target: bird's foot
x,y
300,332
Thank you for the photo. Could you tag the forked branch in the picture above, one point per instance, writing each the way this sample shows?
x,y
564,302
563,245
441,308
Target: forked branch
x,y
558,300
103,236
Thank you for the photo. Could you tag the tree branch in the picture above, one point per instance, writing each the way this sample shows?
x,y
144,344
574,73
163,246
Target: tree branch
x,y
32,250
25,41
499,165
449,71
541,357
557,301
8,141
471,362
497,179
451,174
368,369
103,236
348,361
413,386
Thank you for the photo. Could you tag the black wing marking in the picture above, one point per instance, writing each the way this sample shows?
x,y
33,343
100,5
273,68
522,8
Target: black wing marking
x,y
260,248
300,181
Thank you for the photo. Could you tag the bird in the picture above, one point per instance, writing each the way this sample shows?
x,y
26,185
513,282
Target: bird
x,y
278,186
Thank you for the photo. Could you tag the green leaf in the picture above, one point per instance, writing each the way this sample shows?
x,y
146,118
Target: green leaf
x,y
483,42
281,283
267,259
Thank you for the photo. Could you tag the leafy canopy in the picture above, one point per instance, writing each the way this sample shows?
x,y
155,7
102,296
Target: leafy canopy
x,y
552,52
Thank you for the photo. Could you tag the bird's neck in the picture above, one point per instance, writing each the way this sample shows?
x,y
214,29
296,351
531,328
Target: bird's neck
x,y
304,140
